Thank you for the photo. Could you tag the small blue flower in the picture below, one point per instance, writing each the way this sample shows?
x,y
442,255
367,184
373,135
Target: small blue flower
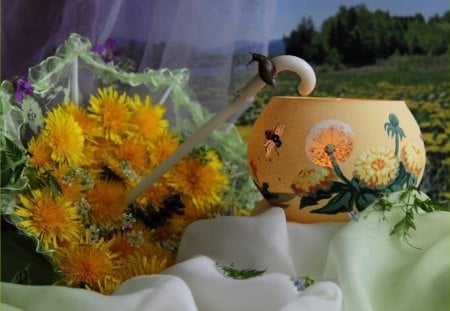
x,y
353,216
301,283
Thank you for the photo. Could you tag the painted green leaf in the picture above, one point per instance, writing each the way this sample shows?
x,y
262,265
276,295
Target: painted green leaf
x,y
366,197
314,198
265,191
342,202
402,179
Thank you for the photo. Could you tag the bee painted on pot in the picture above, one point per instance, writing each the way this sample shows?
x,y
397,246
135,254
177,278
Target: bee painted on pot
x,y
273,137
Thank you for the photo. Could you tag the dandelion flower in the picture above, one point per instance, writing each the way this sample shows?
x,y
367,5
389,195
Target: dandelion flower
x,y
86,122
111,112
89,265
413,159
122,246
106,200
98,151
311,179
72,182
50,219
157,194
201,183
64,137
377,167
162,148
146,233
329,133
148,117
213,160
40,152
138,264
134,151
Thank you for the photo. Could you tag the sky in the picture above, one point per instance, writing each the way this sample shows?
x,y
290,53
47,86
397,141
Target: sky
x,y
290,12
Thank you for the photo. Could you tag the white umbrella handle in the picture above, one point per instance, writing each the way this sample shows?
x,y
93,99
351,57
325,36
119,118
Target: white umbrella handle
x,y
243,99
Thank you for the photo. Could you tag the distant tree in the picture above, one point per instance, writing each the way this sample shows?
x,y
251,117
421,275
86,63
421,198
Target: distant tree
x,y
356,36
300,41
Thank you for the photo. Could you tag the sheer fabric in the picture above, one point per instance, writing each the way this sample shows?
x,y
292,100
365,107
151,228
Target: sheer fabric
x,y
210,38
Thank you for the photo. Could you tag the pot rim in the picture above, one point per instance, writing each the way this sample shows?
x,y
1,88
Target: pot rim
x,y
336,99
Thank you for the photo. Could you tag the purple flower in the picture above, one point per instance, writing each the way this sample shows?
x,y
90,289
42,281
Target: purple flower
x,y
108,51
21,87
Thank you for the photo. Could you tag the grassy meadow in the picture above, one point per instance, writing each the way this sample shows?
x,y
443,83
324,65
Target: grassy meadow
x,y
422,82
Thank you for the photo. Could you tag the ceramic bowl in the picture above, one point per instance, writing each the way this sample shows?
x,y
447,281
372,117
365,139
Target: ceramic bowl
x,y
325,159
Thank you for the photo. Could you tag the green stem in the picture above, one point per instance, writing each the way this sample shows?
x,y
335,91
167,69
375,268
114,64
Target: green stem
x,y
397,142
329,149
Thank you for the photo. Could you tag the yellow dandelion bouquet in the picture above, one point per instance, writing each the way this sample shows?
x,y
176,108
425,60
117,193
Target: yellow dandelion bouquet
x,y
72,148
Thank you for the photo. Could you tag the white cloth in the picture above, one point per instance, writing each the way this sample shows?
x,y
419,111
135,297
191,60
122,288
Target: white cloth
x,y
374,271
197,283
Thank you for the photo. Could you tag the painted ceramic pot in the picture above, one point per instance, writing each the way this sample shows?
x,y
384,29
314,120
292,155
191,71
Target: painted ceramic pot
x,y
325,159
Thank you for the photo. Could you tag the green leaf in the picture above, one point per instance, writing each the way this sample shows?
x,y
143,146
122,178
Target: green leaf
x,y
13,162
409,201
428,205
32,113
22,276
8,201
53,184
232,272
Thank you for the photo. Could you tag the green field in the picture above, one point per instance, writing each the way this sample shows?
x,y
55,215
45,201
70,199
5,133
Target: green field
x,y
422,82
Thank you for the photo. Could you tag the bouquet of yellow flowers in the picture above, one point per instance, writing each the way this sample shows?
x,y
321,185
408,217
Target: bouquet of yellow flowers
x,y
64,185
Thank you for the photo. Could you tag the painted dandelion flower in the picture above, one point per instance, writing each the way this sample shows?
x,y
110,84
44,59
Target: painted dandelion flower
x,y
111,112
201,183
148,117
64,136
376,168
329,133
311,179
106,200
52,220
413,159
89,265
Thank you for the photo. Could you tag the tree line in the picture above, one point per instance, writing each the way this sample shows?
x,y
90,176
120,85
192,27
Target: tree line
x,y
356,36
